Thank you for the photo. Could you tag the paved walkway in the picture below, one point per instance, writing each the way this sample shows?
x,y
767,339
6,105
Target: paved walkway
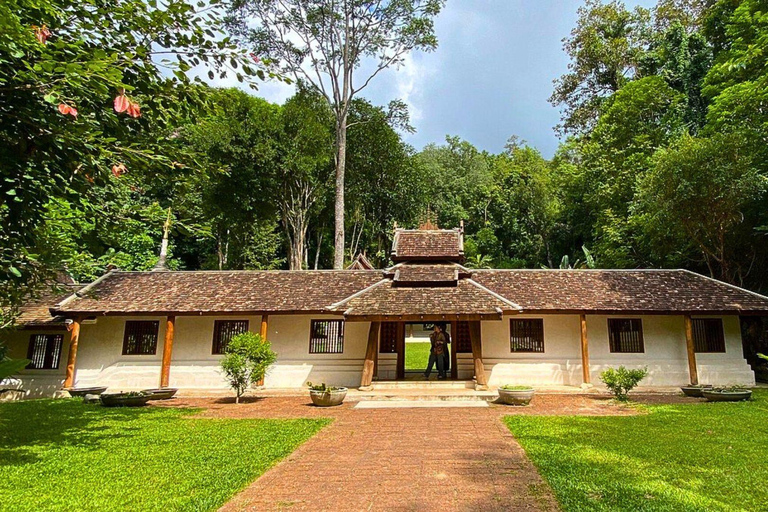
x,y
446,459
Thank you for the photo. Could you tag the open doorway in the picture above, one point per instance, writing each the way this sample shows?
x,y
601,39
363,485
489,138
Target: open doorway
x,y
417,350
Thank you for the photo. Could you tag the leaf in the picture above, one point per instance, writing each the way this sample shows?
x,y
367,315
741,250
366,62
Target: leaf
x,y
14,271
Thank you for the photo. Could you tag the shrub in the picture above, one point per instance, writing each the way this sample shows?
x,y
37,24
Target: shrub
x,y
510,387
246,360
620,381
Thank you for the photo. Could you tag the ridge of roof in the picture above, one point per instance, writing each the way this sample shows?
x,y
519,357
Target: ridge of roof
x,y
496,295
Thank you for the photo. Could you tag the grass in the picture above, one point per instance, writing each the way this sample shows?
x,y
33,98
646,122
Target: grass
x,y
702,456
64,455
417,355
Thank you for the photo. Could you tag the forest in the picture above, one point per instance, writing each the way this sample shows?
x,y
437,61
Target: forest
x,y
107,135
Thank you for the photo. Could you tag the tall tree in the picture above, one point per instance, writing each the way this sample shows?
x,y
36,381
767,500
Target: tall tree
x,y
325,43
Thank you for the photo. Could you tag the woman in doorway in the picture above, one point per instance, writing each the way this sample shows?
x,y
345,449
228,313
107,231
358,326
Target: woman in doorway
x,y
437,352
447,355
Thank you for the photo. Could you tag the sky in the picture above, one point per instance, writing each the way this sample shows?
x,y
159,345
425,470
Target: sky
x,y
490,77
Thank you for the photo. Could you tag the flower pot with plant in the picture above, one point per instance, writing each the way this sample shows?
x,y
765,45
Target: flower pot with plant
x,y
516,395
695,390
129,399
727,394
326,396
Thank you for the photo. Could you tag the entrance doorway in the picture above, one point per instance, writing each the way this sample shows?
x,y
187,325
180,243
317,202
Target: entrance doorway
x,y
417,347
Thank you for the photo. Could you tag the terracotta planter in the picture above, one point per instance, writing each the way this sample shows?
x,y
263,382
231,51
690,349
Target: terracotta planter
x,y
96,390
160,393
727,396
123,400
695,391
11,395
516,396
328,398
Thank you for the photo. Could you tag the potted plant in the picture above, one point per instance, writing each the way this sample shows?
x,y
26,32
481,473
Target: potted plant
x,y
245,362
695,390
727,394
129,399
160,393
516,395
326,396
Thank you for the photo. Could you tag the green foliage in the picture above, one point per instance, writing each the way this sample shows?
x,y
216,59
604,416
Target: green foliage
x,y
621,381
322,387
150,458
9,367
692,457
510,387
247,358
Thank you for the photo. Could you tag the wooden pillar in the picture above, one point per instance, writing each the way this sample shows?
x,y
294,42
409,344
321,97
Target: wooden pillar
x,y
692,371
74,338
165,369
370,355
586,379
481,382
263,333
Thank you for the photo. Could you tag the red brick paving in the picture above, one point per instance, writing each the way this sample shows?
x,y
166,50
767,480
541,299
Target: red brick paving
x,y
403,459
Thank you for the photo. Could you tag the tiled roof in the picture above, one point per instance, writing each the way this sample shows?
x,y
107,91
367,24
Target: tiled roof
x,y
218,292
433,245
426,274
619,290
415,302
36,313
361,263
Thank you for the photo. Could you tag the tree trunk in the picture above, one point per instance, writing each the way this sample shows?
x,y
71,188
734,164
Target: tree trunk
x,y
341,163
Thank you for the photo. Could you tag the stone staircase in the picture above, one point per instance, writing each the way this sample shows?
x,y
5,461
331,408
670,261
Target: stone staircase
x,y
442,390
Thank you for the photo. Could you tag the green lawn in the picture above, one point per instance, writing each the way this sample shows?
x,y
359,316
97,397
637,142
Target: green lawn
x,y
702,456
417,356
64,455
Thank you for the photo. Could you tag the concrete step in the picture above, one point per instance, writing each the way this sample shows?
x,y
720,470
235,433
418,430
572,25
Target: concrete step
x,y
424,384
409,404
422,396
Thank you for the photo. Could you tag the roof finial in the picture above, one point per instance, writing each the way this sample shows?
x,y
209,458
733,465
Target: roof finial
x,y
428,224
161,261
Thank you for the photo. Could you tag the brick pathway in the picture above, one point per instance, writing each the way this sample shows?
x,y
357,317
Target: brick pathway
x,y
402,459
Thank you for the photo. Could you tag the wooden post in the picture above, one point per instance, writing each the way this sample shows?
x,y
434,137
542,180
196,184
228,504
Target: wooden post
x,y
692,371
165,369
586,379
370,355
481,382
74,338
263,333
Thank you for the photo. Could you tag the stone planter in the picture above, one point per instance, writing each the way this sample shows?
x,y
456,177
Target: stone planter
x,y
695,391
124,399
96,390
516,396
727,396
160,393
11,395
328,398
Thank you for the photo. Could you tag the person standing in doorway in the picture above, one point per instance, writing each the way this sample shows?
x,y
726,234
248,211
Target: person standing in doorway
x,y
436,353
447,357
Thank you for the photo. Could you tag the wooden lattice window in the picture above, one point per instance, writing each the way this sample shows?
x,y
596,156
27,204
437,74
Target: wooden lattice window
x,y
625,335
708,335
225,330
462,343
326,337
526,335
140,337
44,351
388,342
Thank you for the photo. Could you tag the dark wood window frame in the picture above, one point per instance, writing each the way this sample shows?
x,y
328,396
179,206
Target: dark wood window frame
x,y
326,337
526,335
625,336
140,337
224,331
44,351
462,344
388,338
708,335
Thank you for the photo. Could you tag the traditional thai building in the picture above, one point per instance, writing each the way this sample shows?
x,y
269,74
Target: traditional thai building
x,y
133,330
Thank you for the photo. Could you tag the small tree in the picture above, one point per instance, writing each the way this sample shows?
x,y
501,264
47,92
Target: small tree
x,y
246,360
620,381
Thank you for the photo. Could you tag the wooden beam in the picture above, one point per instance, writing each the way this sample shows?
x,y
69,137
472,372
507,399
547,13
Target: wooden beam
x,y
165,369
74,338
586,379
692,371
264,329
370,355
477,355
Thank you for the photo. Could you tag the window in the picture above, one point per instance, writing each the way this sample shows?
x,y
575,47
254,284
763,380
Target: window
x,y
708,335
625,335
44,351
526,335
388,343
462,344
225,330
140,337
326,337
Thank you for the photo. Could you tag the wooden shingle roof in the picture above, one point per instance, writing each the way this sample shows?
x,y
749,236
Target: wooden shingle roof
x,y
428,245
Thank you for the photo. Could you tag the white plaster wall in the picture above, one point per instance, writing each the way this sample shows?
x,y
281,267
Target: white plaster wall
x,y
560,364
36,383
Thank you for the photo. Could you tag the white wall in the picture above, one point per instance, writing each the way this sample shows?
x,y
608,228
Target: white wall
x,y
560,363
36,383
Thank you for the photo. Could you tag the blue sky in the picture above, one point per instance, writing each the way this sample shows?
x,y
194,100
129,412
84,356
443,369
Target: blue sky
x,y
489,78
